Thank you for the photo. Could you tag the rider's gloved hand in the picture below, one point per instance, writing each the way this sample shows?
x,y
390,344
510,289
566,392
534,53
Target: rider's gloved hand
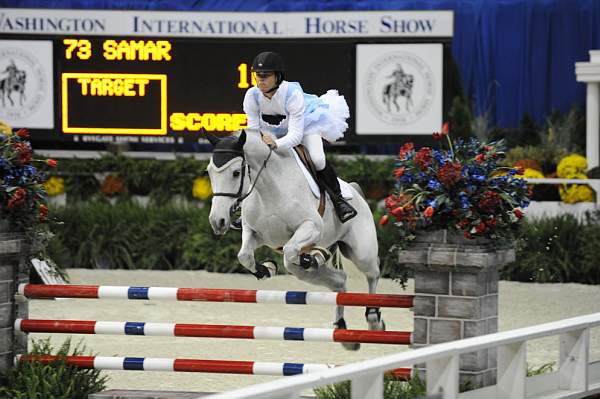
x,y
268,140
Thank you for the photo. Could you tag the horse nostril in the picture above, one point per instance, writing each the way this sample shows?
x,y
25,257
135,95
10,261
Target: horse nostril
x,y
221,223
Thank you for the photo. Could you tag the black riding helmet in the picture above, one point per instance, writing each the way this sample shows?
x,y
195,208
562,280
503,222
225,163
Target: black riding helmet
x,y
269,61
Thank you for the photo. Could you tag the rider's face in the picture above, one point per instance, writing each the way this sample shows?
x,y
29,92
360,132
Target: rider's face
x,y
266,81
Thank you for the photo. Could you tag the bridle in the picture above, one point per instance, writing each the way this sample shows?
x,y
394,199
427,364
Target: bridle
x,y
239,196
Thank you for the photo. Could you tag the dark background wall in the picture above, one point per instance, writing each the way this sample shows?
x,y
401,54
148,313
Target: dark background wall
x,y
514,56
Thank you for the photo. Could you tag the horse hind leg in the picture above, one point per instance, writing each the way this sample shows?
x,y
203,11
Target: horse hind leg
x,y
367,261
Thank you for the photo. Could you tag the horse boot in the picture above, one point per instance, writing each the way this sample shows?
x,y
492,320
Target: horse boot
x,y
343,209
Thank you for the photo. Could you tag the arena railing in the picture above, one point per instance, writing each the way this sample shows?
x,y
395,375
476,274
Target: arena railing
x,y
575,377
593,183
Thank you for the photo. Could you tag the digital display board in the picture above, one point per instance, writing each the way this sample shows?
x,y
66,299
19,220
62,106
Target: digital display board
x,y
161,92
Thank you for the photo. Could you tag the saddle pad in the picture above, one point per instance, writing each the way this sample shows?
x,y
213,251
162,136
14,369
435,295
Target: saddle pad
x,y
346,189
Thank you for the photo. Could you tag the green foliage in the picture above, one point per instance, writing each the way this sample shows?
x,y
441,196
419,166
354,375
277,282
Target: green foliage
x,y
32,380
373,176
559,249
461,120
561,135
129,236
546,156
392,389
161,180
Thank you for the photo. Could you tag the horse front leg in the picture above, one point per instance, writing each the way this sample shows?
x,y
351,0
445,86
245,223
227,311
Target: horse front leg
x,y
246,255
305,236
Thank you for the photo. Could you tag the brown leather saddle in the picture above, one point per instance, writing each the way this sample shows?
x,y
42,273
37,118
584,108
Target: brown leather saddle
x,y
305,158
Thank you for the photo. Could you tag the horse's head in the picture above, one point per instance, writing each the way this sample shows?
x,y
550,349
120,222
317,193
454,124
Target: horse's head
x,y
228,178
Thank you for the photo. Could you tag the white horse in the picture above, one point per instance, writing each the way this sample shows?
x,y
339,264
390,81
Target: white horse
x,y
280,211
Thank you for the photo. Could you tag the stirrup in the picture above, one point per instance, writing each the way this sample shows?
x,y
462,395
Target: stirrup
x,y
236,224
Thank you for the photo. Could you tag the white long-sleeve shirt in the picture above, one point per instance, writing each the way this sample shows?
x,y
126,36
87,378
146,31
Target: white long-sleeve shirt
x,y
287,101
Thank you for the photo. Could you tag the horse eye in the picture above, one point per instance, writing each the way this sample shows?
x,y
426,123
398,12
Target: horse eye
x,y
236,173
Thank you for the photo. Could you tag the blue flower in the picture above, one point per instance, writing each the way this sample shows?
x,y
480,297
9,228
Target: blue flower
x,y
464,200
434,184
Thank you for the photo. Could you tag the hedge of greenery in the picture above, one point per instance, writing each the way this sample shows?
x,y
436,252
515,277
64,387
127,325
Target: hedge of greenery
x,y
129,236
161,180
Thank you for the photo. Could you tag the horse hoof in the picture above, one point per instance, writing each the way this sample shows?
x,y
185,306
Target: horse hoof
x,y
271,267
351,346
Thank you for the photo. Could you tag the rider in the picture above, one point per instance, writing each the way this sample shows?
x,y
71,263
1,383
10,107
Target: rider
x,y
282,109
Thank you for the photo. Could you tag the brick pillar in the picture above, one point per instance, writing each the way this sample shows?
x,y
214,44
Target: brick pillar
x,y
456,296
13,270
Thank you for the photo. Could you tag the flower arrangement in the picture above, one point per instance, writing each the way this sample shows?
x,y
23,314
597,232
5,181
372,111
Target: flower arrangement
x,y
458,186
22,195
574,166
202,189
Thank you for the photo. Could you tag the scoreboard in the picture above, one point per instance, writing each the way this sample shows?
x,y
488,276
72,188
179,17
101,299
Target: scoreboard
x,y
159,91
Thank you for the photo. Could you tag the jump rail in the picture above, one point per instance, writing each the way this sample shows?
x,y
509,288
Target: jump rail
x,y
212,331
576,377
38,291
190,365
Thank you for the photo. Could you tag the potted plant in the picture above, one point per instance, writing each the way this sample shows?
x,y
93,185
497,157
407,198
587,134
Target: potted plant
x,y
458,187
23,199
452,206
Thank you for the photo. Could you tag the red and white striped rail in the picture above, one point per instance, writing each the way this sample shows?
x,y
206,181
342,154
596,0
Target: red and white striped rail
x,y
215,295
190,365
212,331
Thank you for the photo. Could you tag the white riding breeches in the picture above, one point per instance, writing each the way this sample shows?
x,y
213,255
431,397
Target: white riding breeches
x,y
314,145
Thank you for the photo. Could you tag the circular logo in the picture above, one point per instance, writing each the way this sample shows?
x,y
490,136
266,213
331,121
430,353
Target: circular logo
x,y
400,87
23,84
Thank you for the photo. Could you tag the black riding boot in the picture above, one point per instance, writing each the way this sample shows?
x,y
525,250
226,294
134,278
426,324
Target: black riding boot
x,y
343,209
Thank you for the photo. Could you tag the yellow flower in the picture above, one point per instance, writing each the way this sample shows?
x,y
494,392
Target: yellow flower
x,y
570,166
55,186
202,189
531,174
576,193
573,193
5,129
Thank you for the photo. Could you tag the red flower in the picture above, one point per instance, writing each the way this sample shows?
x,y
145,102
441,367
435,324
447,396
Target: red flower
x,y
464,223
437,136
51,162
449,173
397,212
518,213
23,133
491,222
520,170
423,158
113,185
43,213
391,202
480,228
480,158
467,234
487,148
23,152
17,198
398,172
384,220
405,149
429,211
489,201
445,128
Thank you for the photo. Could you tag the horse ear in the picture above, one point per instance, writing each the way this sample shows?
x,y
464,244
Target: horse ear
x,y
214,140
241,140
